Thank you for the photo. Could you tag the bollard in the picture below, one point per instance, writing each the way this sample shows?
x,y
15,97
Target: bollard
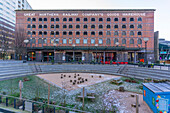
x,y
43,109
6,101
137,103
15,103
54,109
23,105
0,99
33,107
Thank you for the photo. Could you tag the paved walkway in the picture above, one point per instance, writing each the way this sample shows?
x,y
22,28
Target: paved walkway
x,y
4,109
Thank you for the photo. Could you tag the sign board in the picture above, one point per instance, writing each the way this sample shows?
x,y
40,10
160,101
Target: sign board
x,y
28,106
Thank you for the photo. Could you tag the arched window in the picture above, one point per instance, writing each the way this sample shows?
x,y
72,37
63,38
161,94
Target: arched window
x,y
28,26
33,33
92,19
85,26
131,19
123,41
139,19
85,33
52,32
44,40
116,26
57,19
52,26
52,19
64,26
28,19
57,33
40,33
123,33
108,19
116,40
39,41
140,26
28,33
77,41
77,26
131,41
77,19
100,26
70,19
70,32
40,26
70,26
92,26
100,33
108,26
33,19
116,33
40,19
131,33
92,33
57,26
140,33
108,33
116,19
64,19
77,33
123,19
100,19
131,26
64,33
45,19
123,26
45,32
139,41
85,19
108,41
45,26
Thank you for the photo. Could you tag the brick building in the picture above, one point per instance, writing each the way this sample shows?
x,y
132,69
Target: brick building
x,y
102,35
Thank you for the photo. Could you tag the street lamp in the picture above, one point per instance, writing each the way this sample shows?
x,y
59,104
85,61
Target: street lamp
x,y
73,52
146,40
117,44
26,42
96,45
54,44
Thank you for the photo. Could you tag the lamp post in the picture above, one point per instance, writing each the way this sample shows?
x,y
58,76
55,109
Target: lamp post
x,y
73,52
146,40
117,44
54,44
96,45
26,42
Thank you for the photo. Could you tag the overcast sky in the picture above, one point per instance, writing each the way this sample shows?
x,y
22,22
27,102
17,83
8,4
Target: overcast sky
x,y
162,14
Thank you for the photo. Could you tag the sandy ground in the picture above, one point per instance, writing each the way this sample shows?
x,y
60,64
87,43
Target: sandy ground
x,y
123,101
65,83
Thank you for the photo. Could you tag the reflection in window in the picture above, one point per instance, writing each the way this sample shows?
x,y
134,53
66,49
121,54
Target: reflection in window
x,y
131,33
64,41
85,41
100,41
131,41
108,41
77,41
123,41
139,41
92,41
123,33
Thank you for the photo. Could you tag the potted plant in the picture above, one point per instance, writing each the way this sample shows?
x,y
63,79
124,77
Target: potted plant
x,y
52,62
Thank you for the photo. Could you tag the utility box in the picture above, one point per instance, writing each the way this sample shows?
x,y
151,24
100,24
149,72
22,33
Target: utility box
x,y
157,96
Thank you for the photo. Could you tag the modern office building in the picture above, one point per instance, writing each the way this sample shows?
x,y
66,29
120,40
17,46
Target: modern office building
x,y
164,50
100,35
7,23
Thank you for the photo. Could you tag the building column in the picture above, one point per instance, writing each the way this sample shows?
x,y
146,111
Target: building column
x,y
39,56
134,57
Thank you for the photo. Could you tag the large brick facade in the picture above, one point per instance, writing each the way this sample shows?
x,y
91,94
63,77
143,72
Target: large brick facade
x,y
93,34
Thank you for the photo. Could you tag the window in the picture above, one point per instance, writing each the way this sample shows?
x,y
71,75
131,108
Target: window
x,y
116,19
131,33
77,41
108,41
108,33
64,33
33,33
52,26
116,40
85,33
116,33
131,41
100,19
131,19
123,26
123,41
57,41
57,33
57,19
51,40
70,26
85,19
45,26
28,33
131,26
45,32
52,19
40,19
85,26
33,19
45,19
33,41
57,26
77,33
85,41
108,19
140,33
70,33
28,26
44,40
70,41
70,19
93,26
100,41
64,26
123,19
77,19
140,26
92,33
40,26
33,26
100,26
64,19
40,33
77,26
92,19
139,41
139,19
116,26
100,33
123,33
64,41
28,19
108,27
92,41
52,32
39,41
